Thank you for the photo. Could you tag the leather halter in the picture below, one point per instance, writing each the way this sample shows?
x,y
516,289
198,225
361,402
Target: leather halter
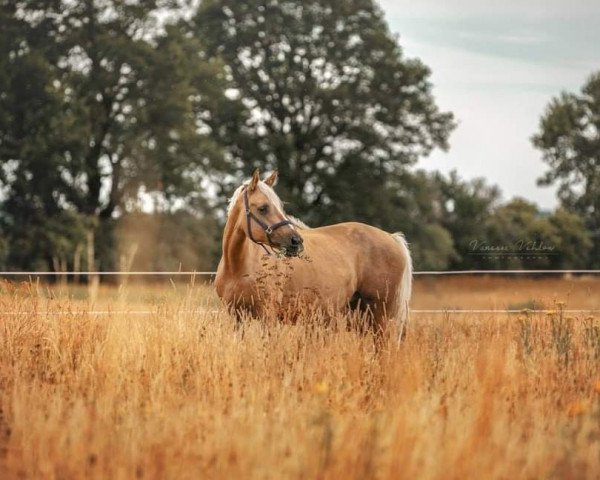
x,y
268,229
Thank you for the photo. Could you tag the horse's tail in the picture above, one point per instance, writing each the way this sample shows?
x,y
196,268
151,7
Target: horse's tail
x,y
405,288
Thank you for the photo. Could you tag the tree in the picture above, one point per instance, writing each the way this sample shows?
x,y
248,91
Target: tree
x,y
100,102
569,139
330,102
34,129
418,208
520,236
466,207
573,241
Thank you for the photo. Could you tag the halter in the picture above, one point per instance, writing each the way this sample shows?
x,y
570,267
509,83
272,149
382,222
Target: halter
x,y
268,229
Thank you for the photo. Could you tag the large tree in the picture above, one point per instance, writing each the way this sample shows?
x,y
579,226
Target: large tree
x,y
465,208
34,130
569,139
329,99
99,101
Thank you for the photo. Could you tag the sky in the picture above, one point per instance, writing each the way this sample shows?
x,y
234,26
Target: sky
x,y
496,66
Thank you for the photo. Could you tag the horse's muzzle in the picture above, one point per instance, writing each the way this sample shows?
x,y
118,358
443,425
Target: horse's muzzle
x,y
294,247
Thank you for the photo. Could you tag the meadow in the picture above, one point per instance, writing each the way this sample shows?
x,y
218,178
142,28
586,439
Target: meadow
x,y
159,384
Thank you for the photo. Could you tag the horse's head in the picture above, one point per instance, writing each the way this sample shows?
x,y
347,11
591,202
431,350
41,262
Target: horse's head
x,y
265,221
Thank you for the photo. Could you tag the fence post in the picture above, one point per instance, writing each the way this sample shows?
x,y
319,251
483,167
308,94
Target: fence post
x,y
93,280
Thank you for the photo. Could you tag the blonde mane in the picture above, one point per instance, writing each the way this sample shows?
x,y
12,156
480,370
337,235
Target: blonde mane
x,y
271,196
298,223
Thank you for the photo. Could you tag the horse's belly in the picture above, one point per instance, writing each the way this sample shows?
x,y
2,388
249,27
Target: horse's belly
x,y
329,289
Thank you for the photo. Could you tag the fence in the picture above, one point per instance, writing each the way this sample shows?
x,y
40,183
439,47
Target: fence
x,y
417,311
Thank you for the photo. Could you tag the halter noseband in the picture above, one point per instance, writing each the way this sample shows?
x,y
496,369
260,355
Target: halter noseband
x,y
268,229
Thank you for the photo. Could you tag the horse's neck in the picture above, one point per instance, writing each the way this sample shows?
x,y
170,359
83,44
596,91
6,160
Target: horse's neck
x,y
234,244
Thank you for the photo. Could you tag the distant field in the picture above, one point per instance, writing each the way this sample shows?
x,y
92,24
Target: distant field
x,y
498,293
177,393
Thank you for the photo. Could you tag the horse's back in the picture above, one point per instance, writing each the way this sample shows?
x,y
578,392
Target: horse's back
x,y
367,241
379,259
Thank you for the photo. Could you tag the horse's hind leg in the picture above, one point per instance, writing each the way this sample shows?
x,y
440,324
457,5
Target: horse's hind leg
x,y
368,313
375,314
385,326
360,318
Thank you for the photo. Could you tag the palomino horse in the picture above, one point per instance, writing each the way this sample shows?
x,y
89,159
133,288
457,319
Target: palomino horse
x,y
347,266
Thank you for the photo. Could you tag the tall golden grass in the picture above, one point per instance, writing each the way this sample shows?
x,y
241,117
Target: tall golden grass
x,y
178,393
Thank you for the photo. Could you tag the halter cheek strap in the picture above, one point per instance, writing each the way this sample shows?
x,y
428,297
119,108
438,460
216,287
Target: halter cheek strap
x,y
268,229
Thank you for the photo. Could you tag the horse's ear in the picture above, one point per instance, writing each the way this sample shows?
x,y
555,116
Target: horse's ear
x,y
272,179
254,181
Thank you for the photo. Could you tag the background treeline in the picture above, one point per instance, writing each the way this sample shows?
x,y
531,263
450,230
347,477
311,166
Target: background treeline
x,y
124,127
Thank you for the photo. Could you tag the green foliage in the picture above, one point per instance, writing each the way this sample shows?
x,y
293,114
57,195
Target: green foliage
x,y
432,247
534,239
513,227
44,242
487,234
330,102
98,103
105,109
465,208
572,239
3,250
569,139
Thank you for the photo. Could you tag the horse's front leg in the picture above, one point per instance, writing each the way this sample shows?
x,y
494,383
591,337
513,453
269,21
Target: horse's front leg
x,y
238,315
240,310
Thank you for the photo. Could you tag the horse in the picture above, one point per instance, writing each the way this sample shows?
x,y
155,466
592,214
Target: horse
x,y
337,268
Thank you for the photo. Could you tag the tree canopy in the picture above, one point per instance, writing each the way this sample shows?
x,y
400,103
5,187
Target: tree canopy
x,y
569,139
331,102
100,103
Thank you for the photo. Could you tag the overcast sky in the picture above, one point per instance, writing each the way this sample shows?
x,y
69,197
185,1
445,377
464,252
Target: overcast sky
x,y
496,65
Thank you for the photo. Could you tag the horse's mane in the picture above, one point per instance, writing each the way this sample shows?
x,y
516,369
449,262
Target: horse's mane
x,y
273,198
298,223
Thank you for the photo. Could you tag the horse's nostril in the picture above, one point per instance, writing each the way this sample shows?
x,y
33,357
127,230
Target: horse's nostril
x,y
296,241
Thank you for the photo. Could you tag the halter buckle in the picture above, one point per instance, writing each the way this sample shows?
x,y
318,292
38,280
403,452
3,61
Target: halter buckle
x,y
269,230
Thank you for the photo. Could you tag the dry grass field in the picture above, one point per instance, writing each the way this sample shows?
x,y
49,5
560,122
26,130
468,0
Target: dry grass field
x,y
178,393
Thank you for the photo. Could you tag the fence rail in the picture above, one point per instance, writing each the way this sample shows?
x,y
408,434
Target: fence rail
x,y
414,311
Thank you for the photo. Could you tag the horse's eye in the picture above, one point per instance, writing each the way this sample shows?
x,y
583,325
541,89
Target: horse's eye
x,y
263,209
